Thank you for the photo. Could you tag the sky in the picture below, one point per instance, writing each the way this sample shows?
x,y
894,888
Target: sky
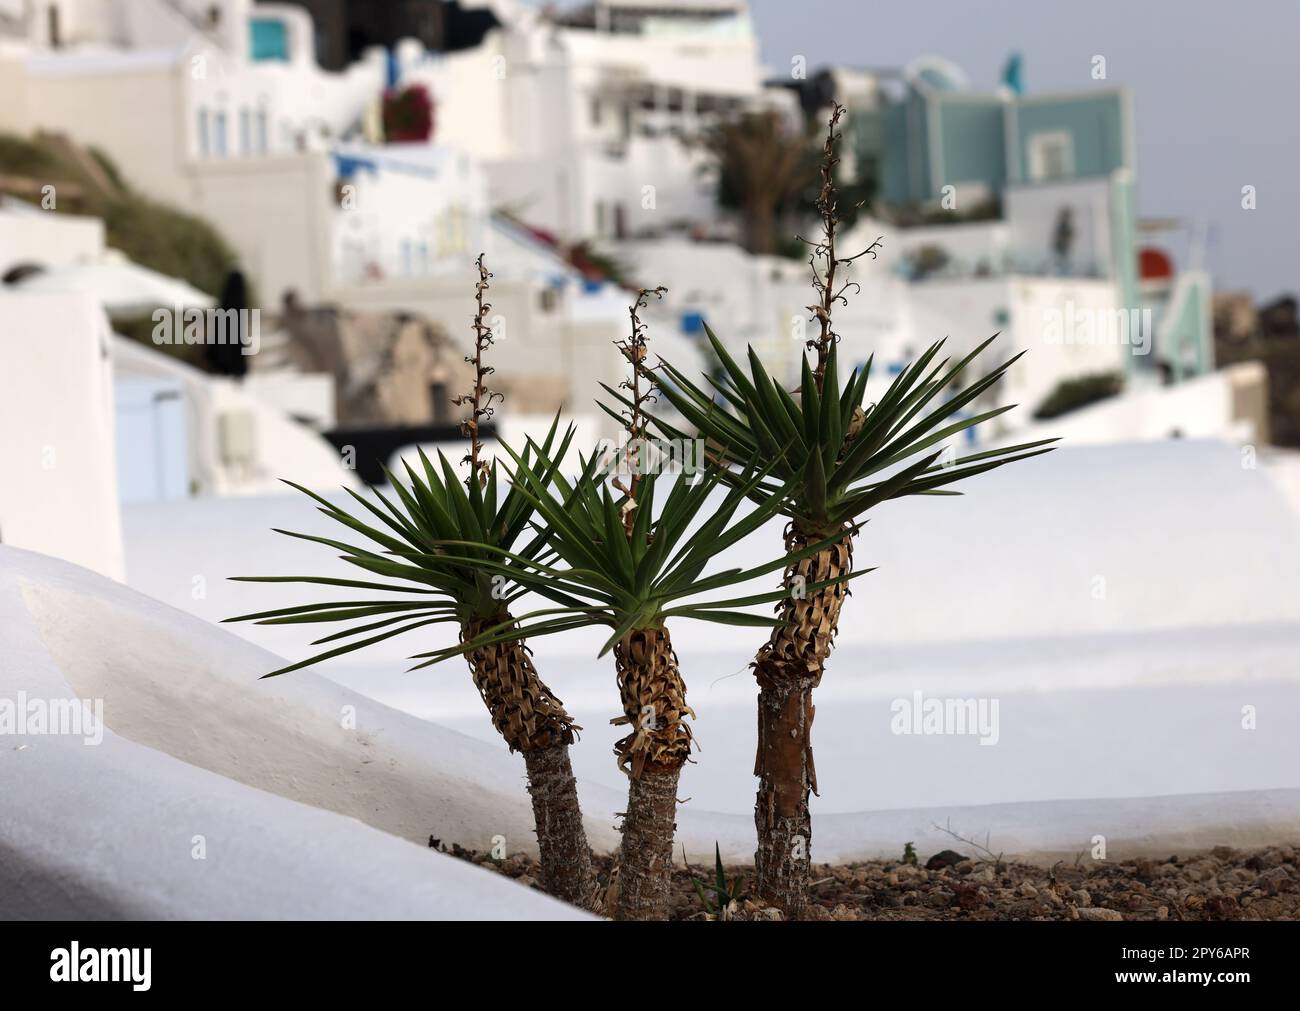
x,y
1216,88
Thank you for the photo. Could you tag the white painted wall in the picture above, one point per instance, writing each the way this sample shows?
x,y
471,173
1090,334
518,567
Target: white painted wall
x,y
762,301
51,240
275,212
166,764
967,312
282,448
470,97
1034,303
58,483
1200,408
969,245
127,104
523,102
421,211
1031,212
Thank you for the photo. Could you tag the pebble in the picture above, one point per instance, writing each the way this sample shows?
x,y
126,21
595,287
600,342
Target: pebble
x,y
1098,914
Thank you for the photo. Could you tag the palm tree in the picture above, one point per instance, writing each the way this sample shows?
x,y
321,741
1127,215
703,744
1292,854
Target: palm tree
x,y
762,169
635,567
426,588
832,459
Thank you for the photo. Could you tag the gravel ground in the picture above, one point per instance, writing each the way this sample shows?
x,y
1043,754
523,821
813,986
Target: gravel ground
x,y
1224,884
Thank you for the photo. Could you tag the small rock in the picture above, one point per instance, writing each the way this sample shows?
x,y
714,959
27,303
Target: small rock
x,y
1094,913
968,896
1222,908
944,858
1028,890
1081,898
1069,877
1274,880
1162,912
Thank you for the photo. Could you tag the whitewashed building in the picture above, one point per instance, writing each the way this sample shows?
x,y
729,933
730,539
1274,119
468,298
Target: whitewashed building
x,y
1057,268
205,108
90,420
588,122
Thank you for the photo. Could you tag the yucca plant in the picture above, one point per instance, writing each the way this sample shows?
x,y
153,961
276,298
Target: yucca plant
x,y
635,563
425,587
724,892
832,459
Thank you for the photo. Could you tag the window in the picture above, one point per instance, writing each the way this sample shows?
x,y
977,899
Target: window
x,y
261,131
205,149
219,135
245,132
449,231
1051,156
269,40
458,228
441,401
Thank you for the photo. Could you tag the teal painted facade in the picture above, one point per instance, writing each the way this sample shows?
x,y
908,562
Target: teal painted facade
x,y
971,141
1186,328
905,151
932,138
1095,123
936,133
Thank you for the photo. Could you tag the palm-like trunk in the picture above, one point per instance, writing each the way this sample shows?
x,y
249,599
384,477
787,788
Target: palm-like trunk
x,y
533,721
567,871
788,667
654,705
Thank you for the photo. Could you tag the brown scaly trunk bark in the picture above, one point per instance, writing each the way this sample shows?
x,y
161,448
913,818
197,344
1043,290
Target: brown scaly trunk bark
x,y
788,667
567,871
534,721
654,704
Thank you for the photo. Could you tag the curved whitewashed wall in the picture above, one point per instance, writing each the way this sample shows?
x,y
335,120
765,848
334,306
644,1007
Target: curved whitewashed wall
x,y
159,837
58,483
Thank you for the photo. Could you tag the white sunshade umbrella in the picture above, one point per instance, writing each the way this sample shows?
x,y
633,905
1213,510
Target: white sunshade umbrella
x,y
122,286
